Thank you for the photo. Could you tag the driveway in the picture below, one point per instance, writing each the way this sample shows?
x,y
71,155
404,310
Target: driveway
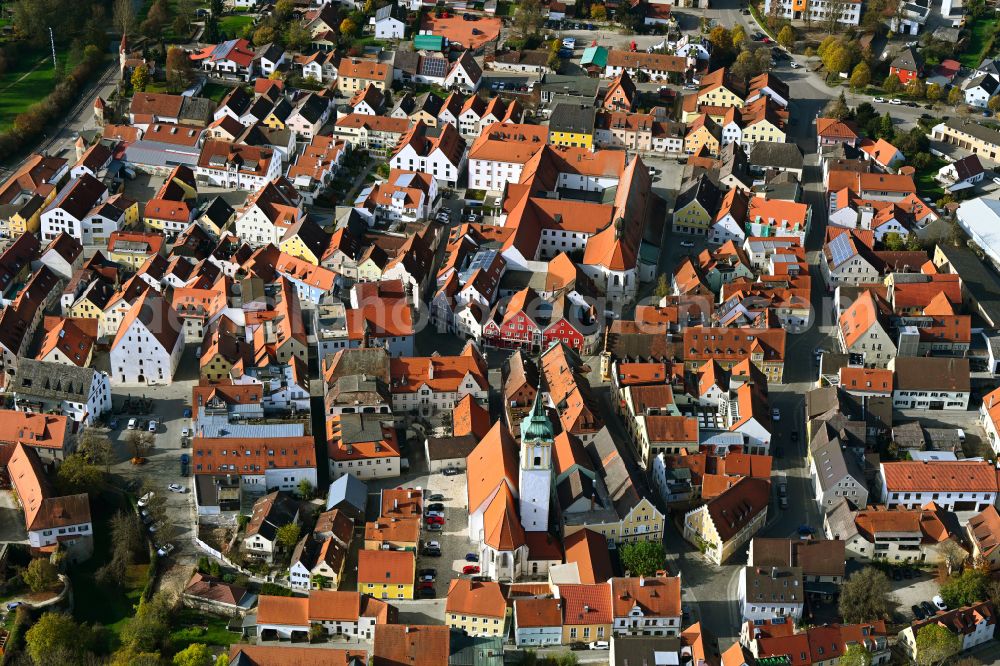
x,y
11,519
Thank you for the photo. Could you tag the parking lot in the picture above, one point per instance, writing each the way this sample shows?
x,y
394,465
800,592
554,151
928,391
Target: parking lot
x,y
454,538
911,592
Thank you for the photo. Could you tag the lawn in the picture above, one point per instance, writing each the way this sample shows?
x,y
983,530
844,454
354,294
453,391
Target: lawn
x,y
29,79
195,627
109,605
232,26
924,178
981,37
215,92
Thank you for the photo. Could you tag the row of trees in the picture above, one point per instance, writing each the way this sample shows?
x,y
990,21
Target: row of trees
x,y
731,47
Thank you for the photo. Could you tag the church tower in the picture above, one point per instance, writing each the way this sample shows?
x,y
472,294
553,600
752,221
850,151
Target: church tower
x,y
535,477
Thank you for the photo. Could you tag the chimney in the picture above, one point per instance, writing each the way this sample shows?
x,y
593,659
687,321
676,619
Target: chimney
x,y
586,608
406,629
774,572
395,504
642,581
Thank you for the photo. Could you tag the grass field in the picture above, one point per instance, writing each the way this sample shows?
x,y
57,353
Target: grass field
x,y
195,627
215,92
232,26
924,178
28,80
980,39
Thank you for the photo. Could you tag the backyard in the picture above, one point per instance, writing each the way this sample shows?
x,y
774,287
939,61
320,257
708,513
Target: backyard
x,y
232,26
109,605
981,36
29,79
190,626
926,184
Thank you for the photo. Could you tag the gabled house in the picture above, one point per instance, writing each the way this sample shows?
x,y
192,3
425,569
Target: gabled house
x,y
907,65
270,512
148,344
980,89
863,331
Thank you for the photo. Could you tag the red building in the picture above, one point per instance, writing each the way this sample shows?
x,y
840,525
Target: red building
x,y
907,66
514,326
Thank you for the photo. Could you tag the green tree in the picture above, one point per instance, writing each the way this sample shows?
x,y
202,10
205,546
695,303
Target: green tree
x,y
126,538
94,445
837,108
297,37
916,89
721,39
527,19
826,45
305,489
54,638
891,84
77,475
265,34
894,242
598,12
662,286
739,36
642,558
140,78
856,655
934,92
967,588
786,36
994,103
348,27
936,644
196,654
283,10
179,73
861,76
866,596
839,60
885,130
149,628
222,660
288,535
40,575
955,96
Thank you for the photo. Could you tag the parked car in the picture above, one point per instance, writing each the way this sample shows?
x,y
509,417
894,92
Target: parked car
x,y
451,471
599,645
434,514
795,65
165,549
176,488
132,424
939,602
433,544
431,552
436,506
13,605
146,499
113,424
185,432
187,412
152,425
897,574
775,414
918,612
895,101
783,502
426,593
435,497
154,527
471,557
470,569
435,527
879,100
687,244
805,530
429,572
435,520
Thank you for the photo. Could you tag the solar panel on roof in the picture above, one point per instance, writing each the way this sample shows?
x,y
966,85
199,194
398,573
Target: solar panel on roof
x,y
433,67
840,249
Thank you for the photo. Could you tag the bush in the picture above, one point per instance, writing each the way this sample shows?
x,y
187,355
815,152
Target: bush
x,y
275,590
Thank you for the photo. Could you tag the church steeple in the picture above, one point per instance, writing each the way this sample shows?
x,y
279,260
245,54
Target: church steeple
x,y
535,477
537,426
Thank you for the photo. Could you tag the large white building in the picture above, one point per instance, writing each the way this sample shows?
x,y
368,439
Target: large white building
x,y
81,394
81,210
429,385
815,10
438,151
149,343
953,485
766,593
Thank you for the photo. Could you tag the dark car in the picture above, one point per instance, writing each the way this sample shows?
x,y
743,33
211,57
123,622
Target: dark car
x,y
429,572
436,497
437,506
426,585
918,612
928,608
426,593
451,471
805,530
431,552
471,557
435,527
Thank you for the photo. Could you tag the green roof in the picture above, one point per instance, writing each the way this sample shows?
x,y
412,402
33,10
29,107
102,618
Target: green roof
x,y
428,43
595,55
539,427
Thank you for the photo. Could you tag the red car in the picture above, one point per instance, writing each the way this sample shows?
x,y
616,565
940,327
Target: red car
x,y
470,569
426,585
435,520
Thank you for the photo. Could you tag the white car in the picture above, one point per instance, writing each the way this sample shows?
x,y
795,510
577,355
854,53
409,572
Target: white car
x,y
145,499
599,645
433,544
165,549
152,426
939,602
132,423
795,65
879,100
775,414
687,244
996,179
185,432
176,488
895,101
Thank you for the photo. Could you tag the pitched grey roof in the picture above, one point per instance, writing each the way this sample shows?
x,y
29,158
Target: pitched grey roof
x,y
51,380
609,464
347,489
199,109
577,118
766,154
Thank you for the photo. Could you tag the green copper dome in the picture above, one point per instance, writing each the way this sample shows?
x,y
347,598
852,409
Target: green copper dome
x,y
537,426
